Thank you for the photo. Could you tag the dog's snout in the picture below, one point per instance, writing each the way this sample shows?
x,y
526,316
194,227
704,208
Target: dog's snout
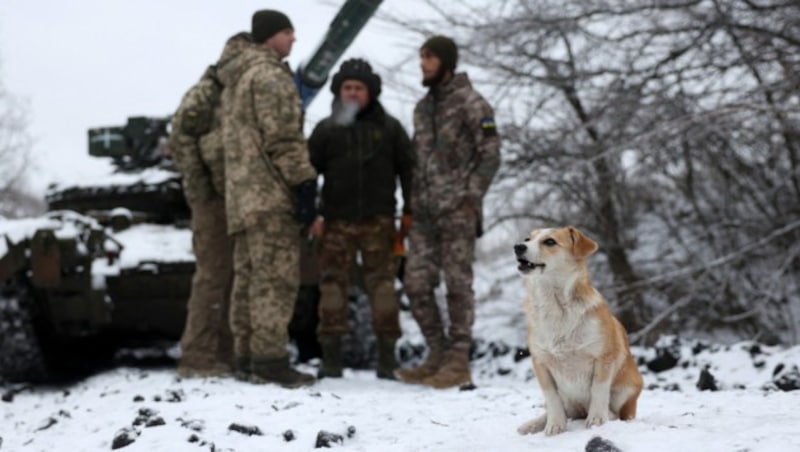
x,y
519,249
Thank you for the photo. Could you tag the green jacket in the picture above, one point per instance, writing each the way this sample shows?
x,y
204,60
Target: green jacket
x,y
362,163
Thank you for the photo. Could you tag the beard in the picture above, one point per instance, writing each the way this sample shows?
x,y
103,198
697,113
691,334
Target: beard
x,y
436,79
344,112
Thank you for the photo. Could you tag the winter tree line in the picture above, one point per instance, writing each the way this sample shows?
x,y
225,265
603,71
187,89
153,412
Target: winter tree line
x,y
669,131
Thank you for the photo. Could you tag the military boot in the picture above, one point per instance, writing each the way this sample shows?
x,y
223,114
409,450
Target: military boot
x,y
332,357
278,371
427,368
242,368
387,363
454,370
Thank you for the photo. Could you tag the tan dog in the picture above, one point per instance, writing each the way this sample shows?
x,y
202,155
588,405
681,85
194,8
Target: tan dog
x,y
580,350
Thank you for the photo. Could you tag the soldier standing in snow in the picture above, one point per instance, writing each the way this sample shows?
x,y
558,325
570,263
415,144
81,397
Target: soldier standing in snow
x,y
270,192
361,151
197,149
458,153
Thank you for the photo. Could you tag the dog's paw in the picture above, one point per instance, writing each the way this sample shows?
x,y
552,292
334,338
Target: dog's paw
x,y
532,426
594,420
555,428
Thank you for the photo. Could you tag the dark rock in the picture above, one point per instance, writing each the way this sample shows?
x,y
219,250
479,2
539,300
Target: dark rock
x,y
668,354
698,347
521,353
288,436
499,349
176,396
778,369
706,382
155,422
138,398
326,439
598,444
49,422
124,437
503,371
351,431
788,381
755,350
467,387
664,360
248,430
193,438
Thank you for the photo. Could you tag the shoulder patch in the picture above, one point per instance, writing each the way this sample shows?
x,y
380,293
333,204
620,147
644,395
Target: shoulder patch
x,y
488,126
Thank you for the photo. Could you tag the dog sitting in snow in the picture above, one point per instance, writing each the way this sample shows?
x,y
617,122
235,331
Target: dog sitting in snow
x,y
580,351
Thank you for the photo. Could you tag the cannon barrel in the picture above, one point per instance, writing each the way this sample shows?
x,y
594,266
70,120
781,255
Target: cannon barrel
x,y
351,18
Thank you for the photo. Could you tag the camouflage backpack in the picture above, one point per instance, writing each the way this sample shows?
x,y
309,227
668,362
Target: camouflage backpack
x,y
196,113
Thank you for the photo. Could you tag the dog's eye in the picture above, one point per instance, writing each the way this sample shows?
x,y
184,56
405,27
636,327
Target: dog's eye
x,y
527,239
550,242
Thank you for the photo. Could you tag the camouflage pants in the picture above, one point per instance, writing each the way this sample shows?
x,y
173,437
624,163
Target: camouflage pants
x,y
341,240
443,244
266,279
206,337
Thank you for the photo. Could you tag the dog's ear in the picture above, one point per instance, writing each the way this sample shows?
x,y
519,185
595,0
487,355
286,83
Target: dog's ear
x,y
582,246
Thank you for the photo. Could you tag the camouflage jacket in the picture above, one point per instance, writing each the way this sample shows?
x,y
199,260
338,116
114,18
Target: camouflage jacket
x,y
457,148
200,159
196,137
265,151
361,163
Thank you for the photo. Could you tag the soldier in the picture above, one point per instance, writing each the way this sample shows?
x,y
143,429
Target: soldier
x,y
361,151
458,152
270,188
196,145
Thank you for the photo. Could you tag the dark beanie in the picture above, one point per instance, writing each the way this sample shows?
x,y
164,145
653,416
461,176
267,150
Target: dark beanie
x,y
444,48
267,22
357,69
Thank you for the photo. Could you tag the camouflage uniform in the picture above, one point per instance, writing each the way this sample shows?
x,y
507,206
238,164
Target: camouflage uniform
x,y
458,153
265,155
197,149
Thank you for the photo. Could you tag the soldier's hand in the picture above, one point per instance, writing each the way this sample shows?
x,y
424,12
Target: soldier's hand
x,y
306,202
317,227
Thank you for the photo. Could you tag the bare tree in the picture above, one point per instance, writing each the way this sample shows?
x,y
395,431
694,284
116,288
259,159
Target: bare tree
x,y
670,131
15,148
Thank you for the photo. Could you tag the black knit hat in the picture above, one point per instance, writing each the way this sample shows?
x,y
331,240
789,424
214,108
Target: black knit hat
x,y
357,69
444,48
267,22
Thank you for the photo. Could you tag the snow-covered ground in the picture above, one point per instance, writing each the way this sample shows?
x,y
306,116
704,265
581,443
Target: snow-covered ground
x,y
160,412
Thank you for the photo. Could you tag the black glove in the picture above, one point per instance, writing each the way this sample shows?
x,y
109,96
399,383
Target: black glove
x,y
305,196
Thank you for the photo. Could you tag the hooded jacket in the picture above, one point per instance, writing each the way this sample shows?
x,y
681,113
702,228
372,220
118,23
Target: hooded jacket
x,y
265,151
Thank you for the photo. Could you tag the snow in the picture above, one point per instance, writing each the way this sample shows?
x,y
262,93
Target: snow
x,y
747,413
386,415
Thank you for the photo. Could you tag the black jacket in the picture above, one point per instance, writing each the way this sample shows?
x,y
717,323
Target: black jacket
x,y
361,163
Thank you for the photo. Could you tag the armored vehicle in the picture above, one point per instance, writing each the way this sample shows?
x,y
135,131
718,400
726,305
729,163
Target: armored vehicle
x,y
110,263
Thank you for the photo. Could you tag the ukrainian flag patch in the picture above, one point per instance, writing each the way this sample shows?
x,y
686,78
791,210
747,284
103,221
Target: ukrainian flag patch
x,y
488,126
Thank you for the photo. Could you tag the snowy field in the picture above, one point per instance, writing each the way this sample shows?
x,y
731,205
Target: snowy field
x,y
161,412
150,409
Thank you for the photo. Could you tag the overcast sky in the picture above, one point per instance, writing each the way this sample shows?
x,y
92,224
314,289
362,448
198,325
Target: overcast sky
x,y
90,63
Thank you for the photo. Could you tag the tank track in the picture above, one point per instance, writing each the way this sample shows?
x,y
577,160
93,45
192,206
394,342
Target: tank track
x,y
21,357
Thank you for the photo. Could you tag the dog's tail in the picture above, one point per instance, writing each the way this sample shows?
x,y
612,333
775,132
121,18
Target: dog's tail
x,y
533,426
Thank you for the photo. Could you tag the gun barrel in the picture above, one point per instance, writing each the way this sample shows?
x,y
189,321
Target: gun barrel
x,y
351,18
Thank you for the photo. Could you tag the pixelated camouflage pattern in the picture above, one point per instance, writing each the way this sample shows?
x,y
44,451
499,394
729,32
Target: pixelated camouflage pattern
x,y
201,160
265,150
339,244
206,338
443,245
266,280
457,148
